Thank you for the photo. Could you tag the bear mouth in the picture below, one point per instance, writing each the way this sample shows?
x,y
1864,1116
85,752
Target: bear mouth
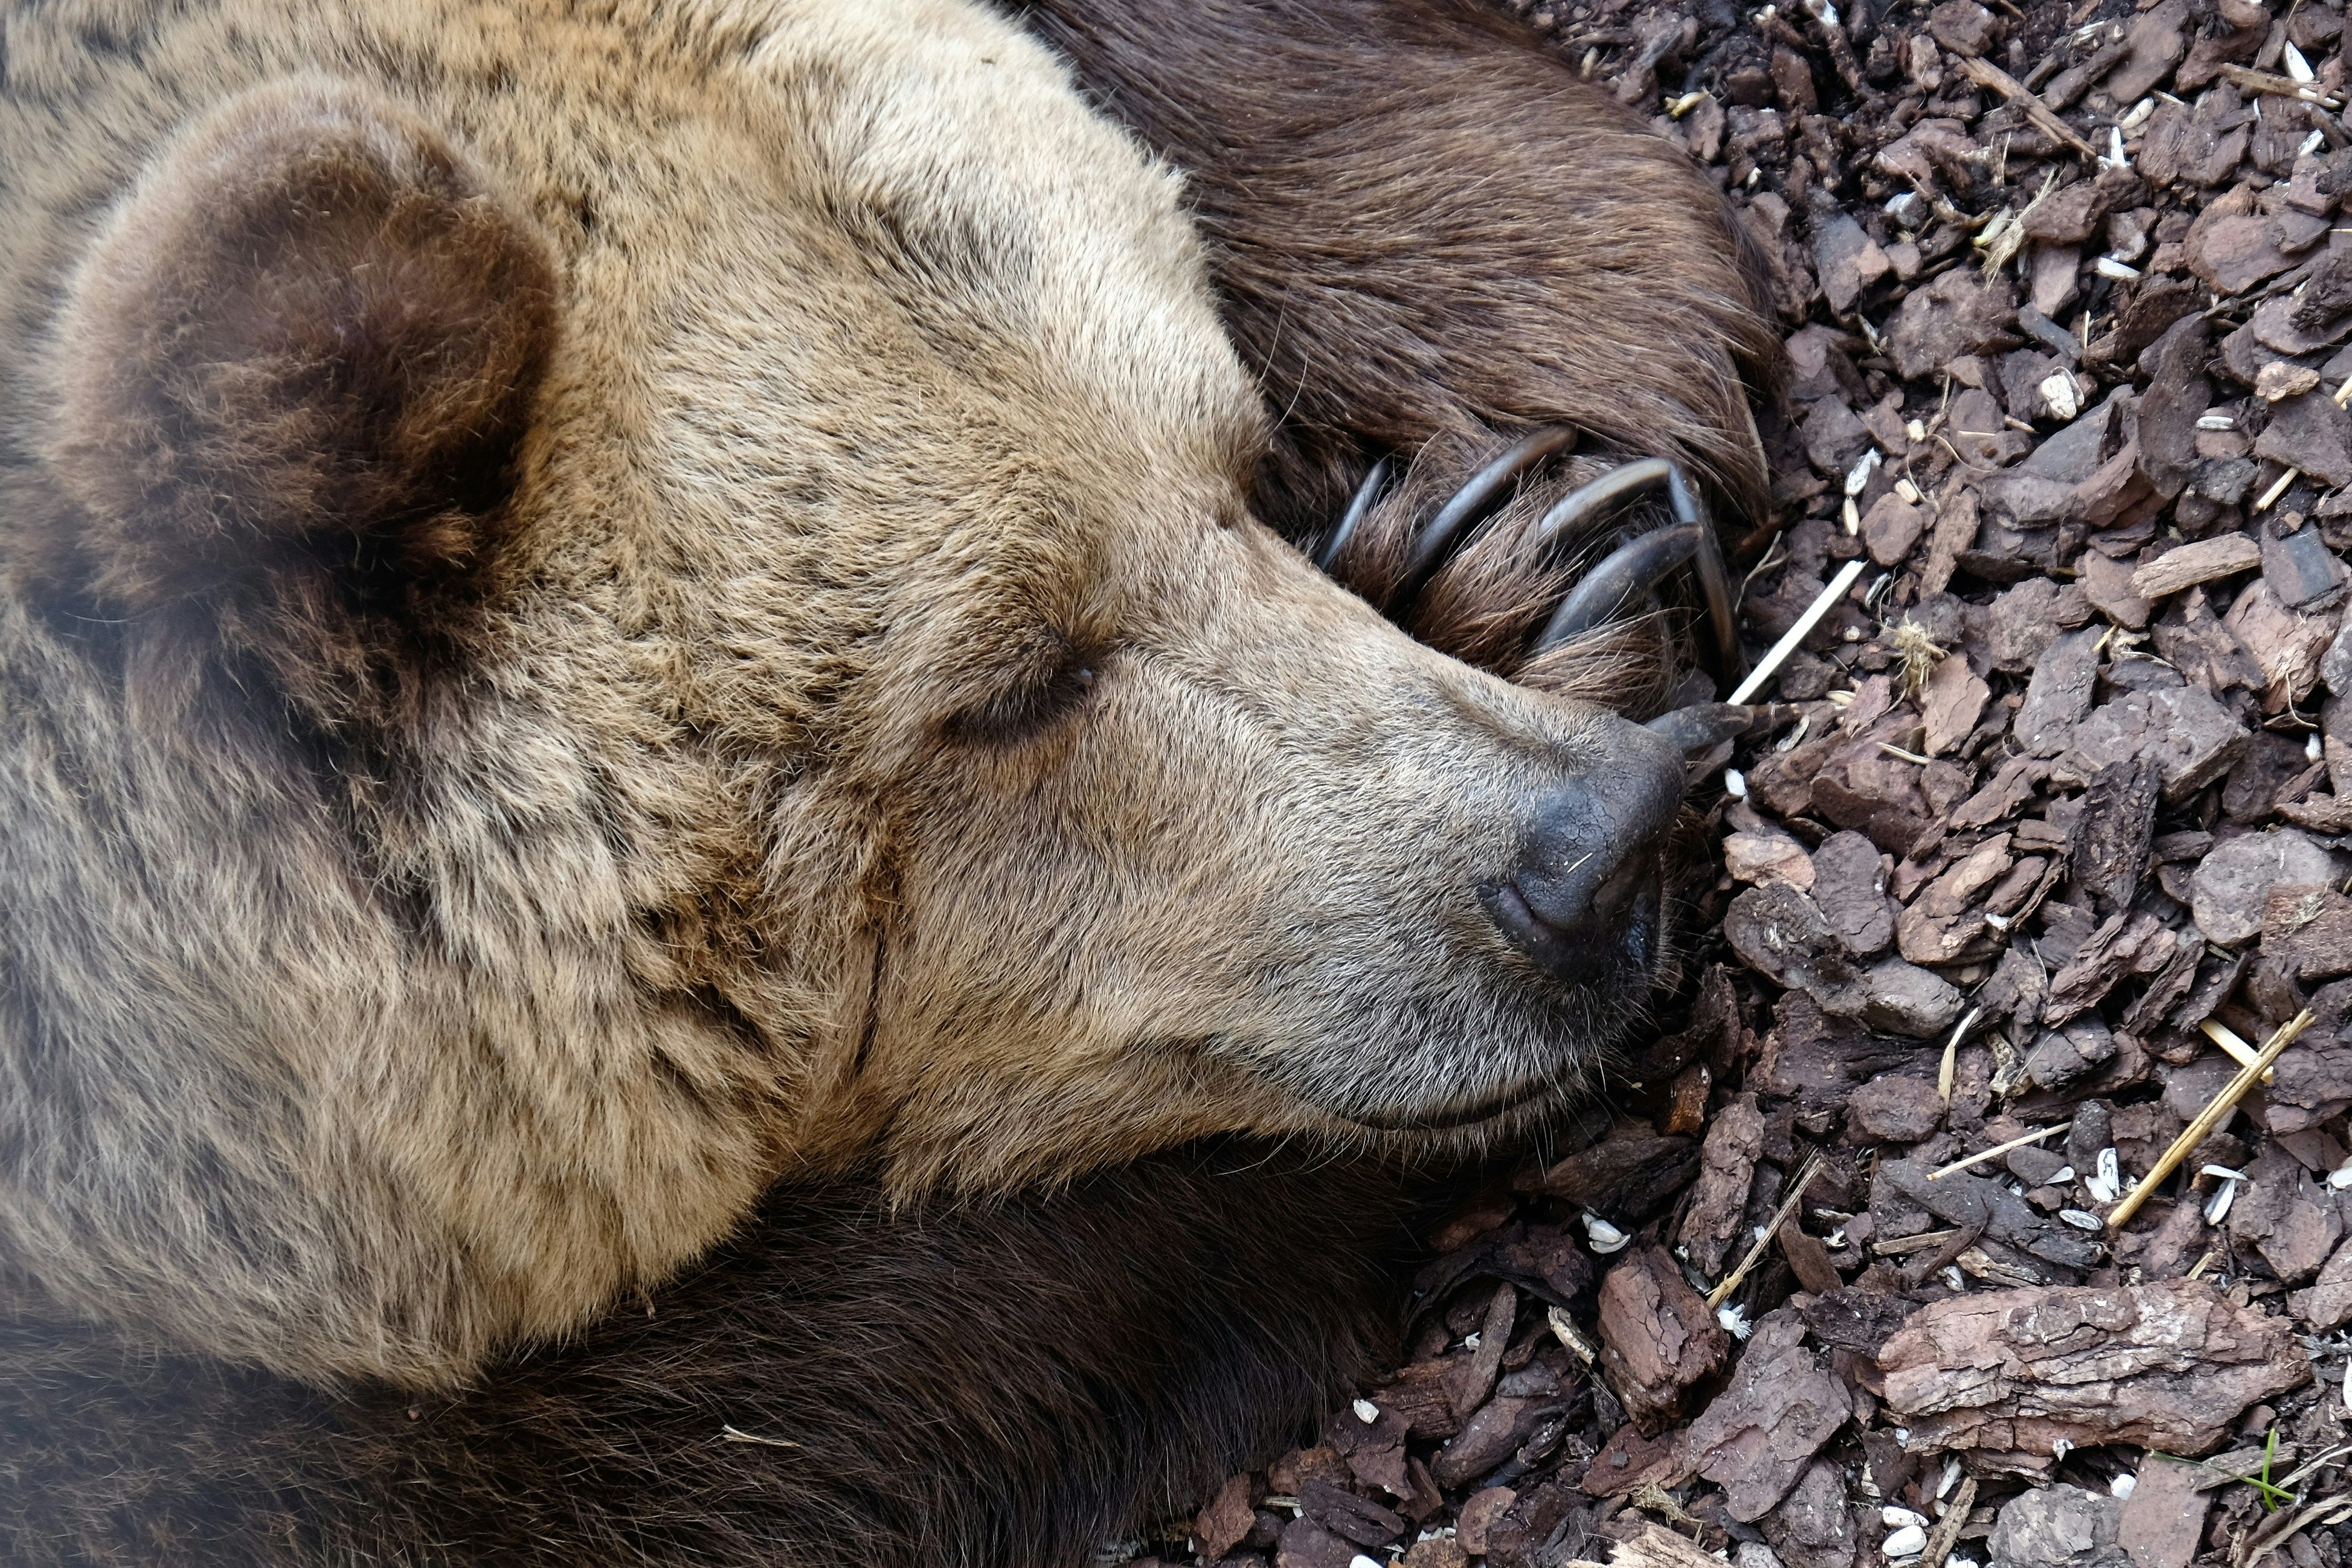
x,y
1605,969
1514,1098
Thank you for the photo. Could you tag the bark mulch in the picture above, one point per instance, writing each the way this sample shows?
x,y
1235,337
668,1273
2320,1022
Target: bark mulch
x,y
2058,831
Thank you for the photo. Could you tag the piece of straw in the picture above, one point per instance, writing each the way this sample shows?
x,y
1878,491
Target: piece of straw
x,y
1812,1168
1950,1067
1984,73
2212,1117
2221,1034
1999,1149
2278,488
1797,634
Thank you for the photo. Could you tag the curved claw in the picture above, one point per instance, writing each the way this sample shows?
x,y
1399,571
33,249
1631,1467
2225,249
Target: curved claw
x,y
1368,495
1701,725
1637,566
1626,573
1479,495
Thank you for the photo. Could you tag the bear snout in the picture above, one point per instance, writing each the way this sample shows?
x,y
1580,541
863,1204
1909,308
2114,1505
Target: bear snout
x,y
1583,900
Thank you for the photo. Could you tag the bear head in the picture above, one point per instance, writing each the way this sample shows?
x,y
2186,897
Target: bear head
x,y
577,648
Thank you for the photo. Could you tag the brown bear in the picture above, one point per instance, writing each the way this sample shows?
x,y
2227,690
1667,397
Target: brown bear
x,y
610,606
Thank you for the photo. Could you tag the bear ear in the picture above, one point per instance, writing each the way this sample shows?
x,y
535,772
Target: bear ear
x,y
306,341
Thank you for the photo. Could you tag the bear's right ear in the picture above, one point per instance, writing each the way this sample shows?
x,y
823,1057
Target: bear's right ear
x,y
306,341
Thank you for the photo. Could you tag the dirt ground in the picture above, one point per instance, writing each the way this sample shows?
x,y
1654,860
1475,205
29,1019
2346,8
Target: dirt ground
x,y
2057,817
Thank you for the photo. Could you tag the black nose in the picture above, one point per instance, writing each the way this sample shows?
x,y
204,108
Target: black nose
x,y
1582,900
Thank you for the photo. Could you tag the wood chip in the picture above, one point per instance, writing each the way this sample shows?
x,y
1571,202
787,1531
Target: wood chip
x,y
1984,73
2207,559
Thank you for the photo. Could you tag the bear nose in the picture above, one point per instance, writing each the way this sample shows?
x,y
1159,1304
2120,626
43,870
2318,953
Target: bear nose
x,y
1583,900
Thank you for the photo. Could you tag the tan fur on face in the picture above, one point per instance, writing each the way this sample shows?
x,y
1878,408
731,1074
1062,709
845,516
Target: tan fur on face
x,y
404,960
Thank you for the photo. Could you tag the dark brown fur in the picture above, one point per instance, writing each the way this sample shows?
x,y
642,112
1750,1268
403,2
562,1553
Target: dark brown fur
x,y
1429,237
321,339
1424,223
1003,1385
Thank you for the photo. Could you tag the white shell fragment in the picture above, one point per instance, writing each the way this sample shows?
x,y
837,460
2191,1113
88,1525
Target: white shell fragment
x,y
1366,1411
1858,476
2108,267
2105,1184
1603,1237
2059,396
1909,1542
2217,1207
1733,1318
2079,1220
2123,1485
1564,1330
1894,1518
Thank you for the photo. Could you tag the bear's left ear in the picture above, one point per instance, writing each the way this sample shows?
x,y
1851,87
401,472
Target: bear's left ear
x,y
308,340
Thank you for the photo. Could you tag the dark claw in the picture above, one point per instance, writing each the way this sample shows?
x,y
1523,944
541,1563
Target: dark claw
x,y
1629,570
1479,495
1636,566
1368,495
1701,725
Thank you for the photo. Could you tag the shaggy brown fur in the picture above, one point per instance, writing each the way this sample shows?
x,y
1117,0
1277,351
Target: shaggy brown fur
x,y
319,340
1421,223
819,714
858,729
1429,236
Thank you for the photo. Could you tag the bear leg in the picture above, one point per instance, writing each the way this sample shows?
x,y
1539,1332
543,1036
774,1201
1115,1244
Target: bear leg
x,y
1424,224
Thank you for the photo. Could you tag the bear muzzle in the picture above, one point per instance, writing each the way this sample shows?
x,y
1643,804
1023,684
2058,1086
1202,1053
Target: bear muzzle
x,y
1582,902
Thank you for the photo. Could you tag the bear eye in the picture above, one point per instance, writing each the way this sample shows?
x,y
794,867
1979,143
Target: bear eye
x,y
1052,693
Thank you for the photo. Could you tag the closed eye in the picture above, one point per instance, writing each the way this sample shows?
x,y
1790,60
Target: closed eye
x,y
1057,689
